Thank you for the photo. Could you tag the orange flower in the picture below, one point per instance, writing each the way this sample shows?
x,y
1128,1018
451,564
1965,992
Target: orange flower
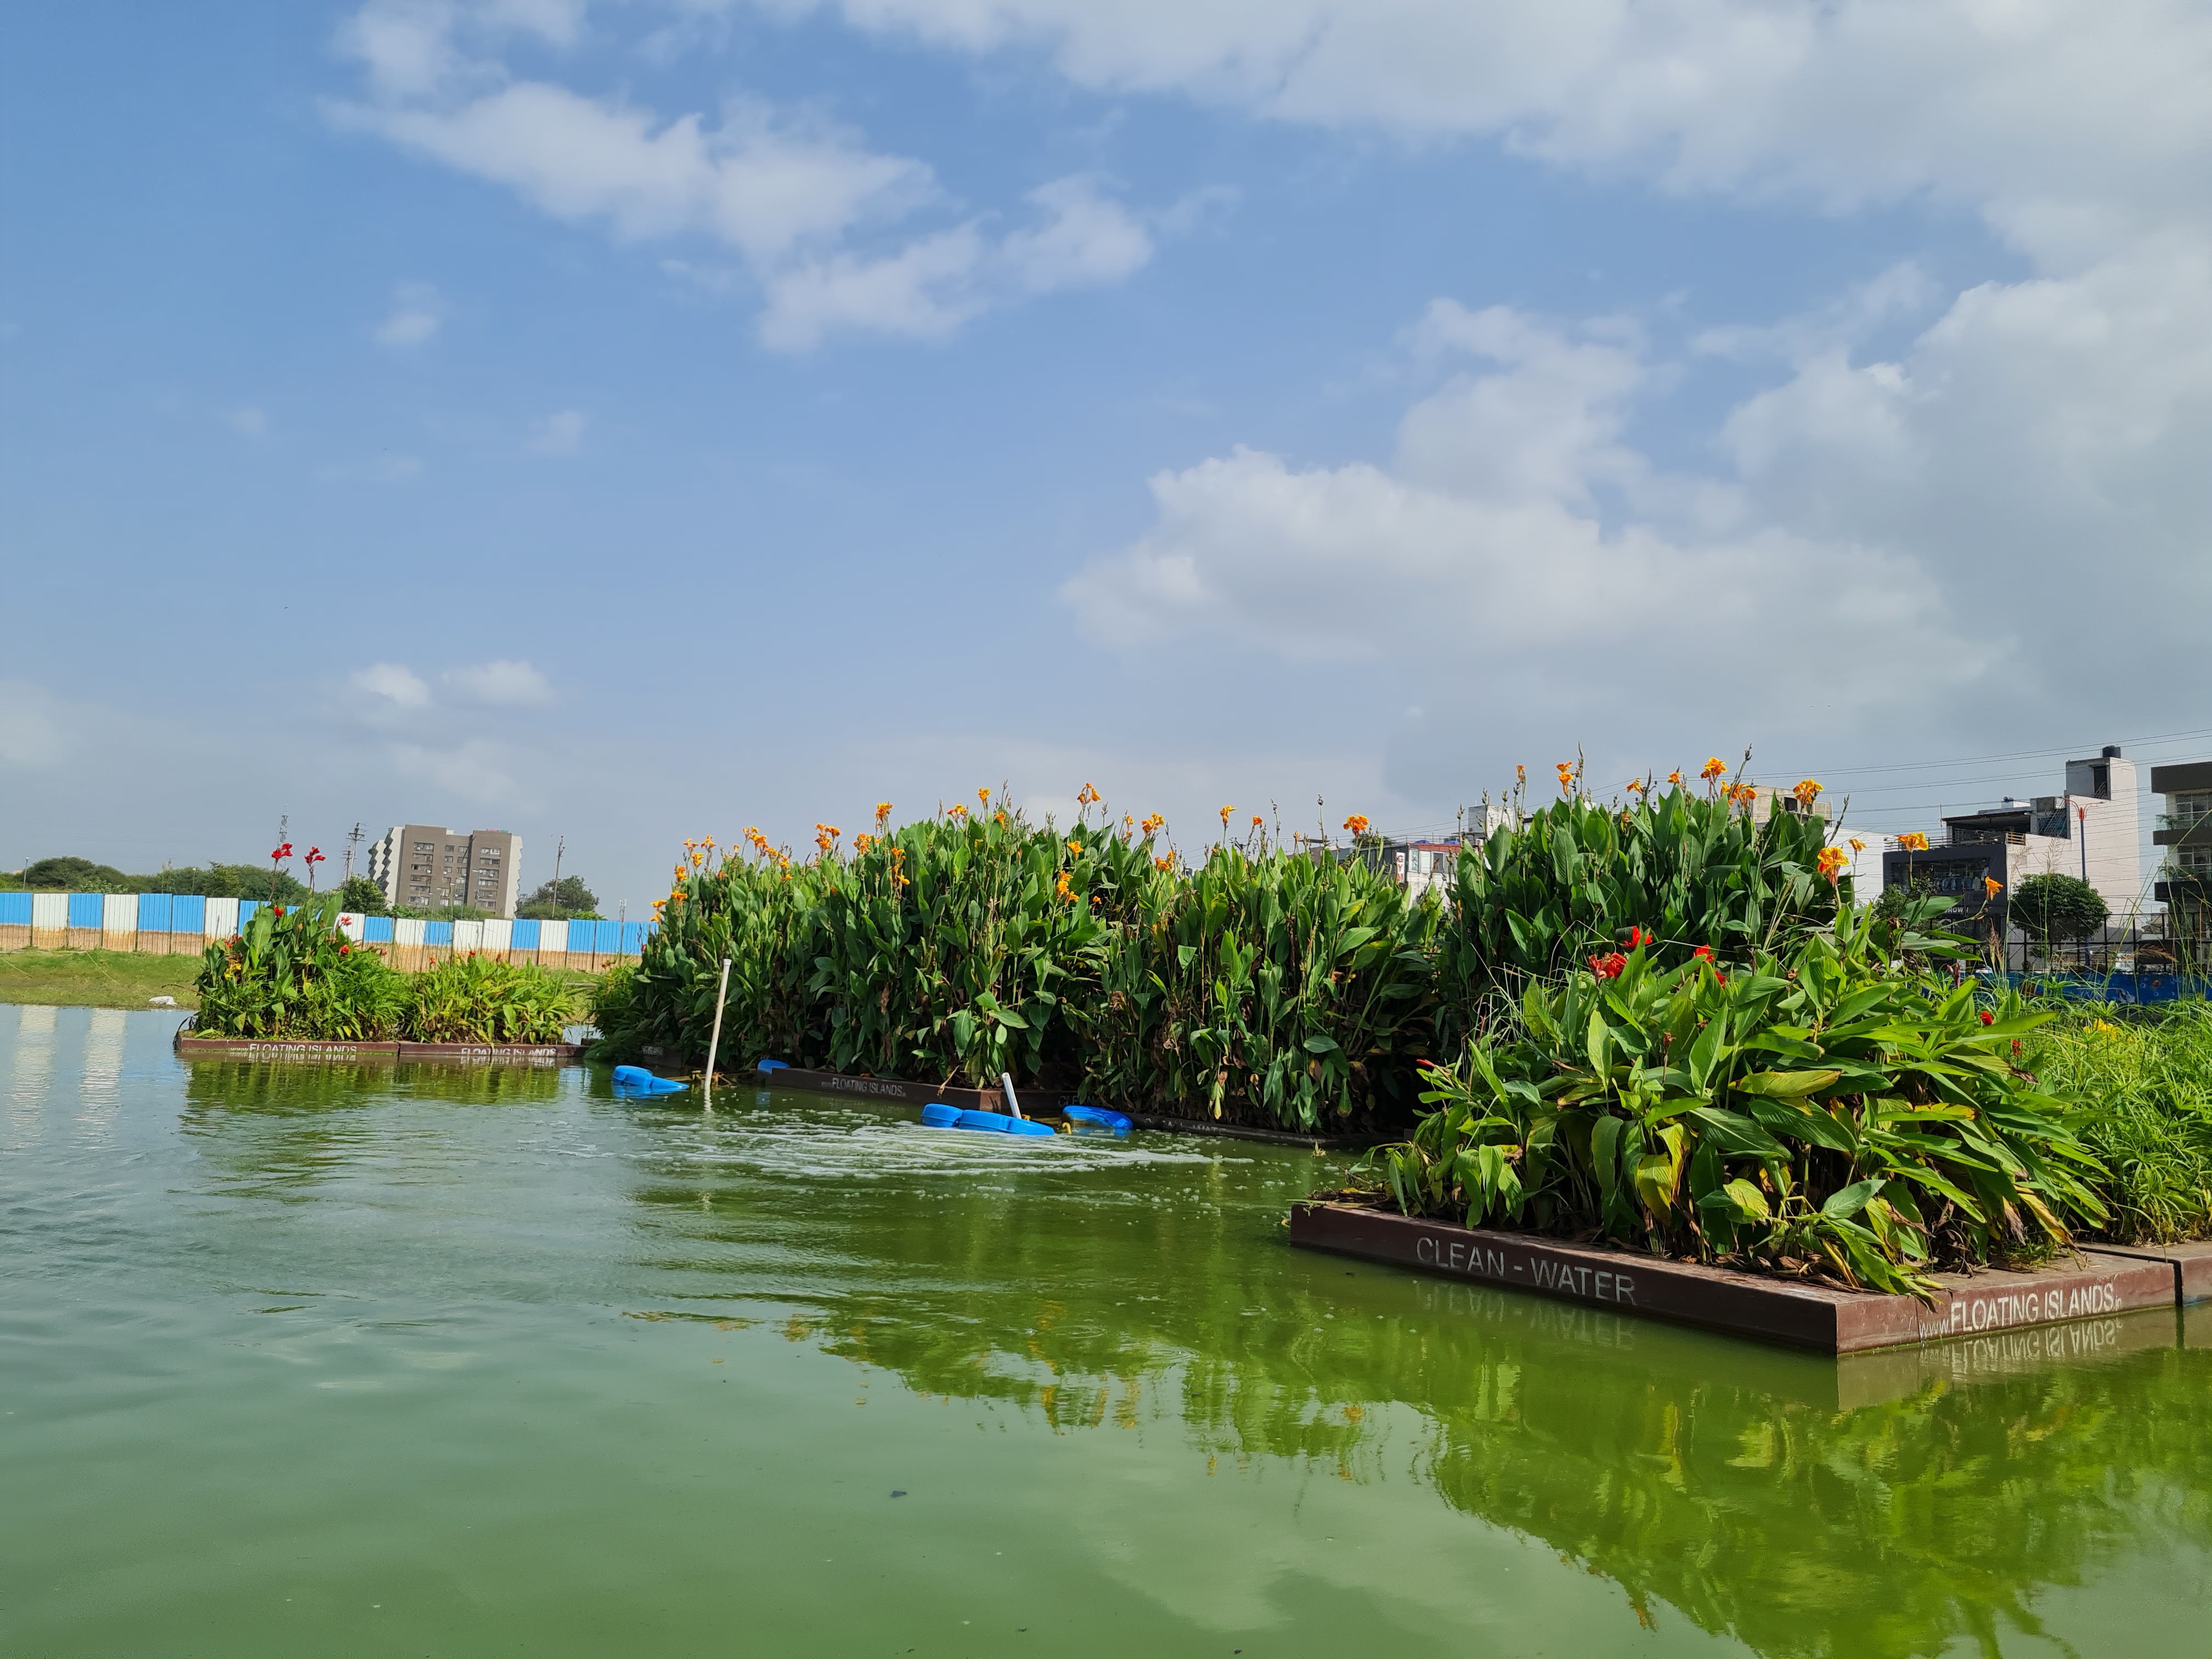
x,y
982,798
863,841
1915,842
1991,887
957,810
1225,811
1153,823
1858,846
1675,778
1832,862
883,811
1165,861
1063,887
1713,769
1806,789
1256,820
1074,849
1356,824
1088,797
1636,785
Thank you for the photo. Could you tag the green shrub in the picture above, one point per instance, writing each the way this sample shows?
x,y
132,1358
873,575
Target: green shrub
x,y
2143,1085
478,999
1262,986
1540,896
290,973
1818,1111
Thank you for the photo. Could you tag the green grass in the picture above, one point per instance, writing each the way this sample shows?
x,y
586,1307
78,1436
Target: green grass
x,y
96,978
122,979
2144,1080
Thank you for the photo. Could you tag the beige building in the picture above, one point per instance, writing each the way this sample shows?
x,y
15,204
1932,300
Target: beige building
x,y
421,866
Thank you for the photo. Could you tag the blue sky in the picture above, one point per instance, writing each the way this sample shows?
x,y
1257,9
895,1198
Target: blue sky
x,y
632,420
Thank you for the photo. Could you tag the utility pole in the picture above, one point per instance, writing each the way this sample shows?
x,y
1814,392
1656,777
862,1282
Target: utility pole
x,y
352,841
559,847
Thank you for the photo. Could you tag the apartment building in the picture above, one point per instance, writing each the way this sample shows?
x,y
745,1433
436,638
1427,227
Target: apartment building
x,y
2093,832
2184,829
422,866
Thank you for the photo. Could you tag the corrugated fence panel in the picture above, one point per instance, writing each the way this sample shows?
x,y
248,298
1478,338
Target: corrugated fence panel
x,y
609,938
84,910
221,919
349,924
407,930
633,938
525,935
154,912
119,913
497,931
437,933
50,911
188,914
376,930
245,910
15,909
553,936
468,935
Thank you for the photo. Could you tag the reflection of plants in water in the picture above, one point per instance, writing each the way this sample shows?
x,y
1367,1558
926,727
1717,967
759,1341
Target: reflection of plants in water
x,y
1721,1481
292,1122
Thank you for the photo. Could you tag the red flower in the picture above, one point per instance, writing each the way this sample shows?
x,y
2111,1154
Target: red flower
x,y
280,909
1988,1019
1608,967
2016,1045
1702,953
1637,938
343,949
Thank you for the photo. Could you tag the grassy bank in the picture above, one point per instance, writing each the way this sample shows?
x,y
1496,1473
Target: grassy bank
x,y
95,979
123,979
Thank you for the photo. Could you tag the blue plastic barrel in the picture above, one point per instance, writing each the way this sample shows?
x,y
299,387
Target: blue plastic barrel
x,y
1098,1117
938,1115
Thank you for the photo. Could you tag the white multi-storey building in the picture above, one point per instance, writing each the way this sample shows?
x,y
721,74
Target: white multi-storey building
x,y
422,867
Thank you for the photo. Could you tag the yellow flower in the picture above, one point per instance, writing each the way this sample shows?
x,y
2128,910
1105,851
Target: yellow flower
x,y
883,811
1152,825
1991,887
957,810
1806,789
1165,861
1636,785
1075,849
1832,861
1225,811
1915,842
983,797
1713,769
1858,846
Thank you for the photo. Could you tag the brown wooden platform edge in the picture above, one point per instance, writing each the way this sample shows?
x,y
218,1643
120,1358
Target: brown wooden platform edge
x,y
469,1053
894,1090
1819,1317
2191,1262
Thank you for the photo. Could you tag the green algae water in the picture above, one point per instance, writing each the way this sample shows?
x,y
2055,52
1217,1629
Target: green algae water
x,y
418,1360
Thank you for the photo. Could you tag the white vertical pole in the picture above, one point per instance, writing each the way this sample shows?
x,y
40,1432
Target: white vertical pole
x,y
714,1042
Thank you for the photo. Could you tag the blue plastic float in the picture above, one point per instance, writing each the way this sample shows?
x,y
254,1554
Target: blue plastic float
x,y
1096,1117
637,1082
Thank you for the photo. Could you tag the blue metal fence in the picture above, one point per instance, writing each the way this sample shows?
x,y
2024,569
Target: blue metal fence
x,y
376,930
84,910
525,935
15,909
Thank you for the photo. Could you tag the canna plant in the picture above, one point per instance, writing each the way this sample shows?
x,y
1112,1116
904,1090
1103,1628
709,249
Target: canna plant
x,y
1264,985
1814,1112
479,999
289,972
1539,896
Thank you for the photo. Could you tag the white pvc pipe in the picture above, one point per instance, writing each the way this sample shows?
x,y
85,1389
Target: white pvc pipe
x,y
714,1042
1007,1082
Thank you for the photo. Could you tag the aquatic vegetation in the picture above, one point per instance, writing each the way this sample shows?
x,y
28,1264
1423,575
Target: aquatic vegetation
x,y
1820,1110
2142,1082
479,999
291,973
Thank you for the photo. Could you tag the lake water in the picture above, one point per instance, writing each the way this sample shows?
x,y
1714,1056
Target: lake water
x,y
379,1361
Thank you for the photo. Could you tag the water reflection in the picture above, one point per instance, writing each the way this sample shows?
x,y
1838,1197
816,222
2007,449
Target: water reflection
x,y
1889,1505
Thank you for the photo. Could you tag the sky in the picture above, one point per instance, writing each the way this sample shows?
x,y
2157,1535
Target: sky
x,y
616,422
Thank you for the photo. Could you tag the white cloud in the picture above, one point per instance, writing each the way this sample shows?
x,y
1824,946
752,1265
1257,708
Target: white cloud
x,y
418,312
786,192
396,686
248,422
558,434
2062,122
502,683
486,773
1485,549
